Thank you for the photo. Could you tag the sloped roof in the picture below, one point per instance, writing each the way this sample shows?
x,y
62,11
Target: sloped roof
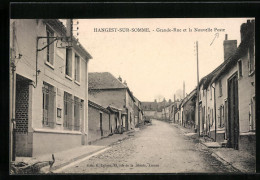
x,y
104,80
211,75
240,52
149,106
97,106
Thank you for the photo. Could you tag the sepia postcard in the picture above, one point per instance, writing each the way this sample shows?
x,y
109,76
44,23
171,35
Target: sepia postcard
x,y
132,95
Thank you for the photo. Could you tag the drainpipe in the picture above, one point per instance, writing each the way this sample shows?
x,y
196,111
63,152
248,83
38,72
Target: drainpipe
x,y
13,126
215,113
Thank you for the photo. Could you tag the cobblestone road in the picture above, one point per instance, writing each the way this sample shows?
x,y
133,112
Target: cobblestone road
x,y
159,148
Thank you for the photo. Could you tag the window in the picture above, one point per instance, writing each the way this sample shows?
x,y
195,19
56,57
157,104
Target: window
x,y
212,117
252,115
210,92
50,47
77,113
220,88
58,112
221,116
251,57
77,68
69,62
48,105
68,101
240,68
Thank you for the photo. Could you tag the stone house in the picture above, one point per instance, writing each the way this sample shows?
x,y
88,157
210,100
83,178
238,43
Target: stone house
x,y
99,122
138,113
227,94
207,106
149,109
235,93
107,90
188,106
49,88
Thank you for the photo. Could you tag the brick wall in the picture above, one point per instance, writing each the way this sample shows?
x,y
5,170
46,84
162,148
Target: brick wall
x,y
22,103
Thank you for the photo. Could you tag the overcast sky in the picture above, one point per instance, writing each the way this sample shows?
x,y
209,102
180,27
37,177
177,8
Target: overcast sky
x,y
156,63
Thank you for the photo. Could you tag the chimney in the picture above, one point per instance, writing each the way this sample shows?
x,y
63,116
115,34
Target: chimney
x,y
230,47
125,83
246,27
120,79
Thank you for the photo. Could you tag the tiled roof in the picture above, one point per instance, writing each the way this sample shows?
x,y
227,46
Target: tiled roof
x,y
104,80
97,106
240,52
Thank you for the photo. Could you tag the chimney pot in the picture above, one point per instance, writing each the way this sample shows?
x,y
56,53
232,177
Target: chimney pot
x,y
226,37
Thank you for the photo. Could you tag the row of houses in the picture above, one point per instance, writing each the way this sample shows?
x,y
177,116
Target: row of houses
x,y
225,108
55,103
156,109
108,92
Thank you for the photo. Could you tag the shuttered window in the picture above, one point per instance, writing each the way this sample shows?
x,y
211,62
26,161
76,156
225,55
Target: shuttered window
x,y
77,68
49,95
50,47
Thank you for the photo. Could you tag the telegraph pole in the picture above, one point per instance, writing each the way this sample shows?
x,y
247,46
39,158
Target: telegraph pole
x,y
198,89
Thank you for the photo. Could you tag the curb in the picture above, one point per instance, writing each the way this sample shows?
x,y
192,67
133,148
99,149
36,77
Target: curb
x,y
46,169
220,159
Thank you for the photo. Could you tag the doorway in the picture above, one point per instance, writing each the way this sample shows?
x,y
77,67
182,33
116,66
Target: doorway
x,y
233,118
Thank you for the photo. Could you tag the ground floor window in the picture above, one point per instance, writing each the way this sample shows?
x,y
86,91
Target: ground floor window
x,y
78,107
221,116
48,105
68,102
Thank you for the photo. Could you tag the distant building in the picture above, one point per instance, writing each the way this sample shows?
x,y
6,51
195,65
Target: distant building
x,y
107,90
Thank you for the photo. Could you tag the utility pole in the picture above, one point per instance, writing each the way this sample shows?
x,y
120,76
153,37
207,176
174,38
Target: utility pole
x,y
198,89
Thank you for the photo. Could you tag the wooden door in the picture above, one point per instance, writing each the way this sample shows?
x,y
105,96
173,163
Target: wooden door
x,y
233,118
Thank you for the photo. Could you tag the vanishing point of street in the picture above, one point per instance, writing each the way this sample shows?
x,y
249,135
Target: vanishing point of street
x,y
158,148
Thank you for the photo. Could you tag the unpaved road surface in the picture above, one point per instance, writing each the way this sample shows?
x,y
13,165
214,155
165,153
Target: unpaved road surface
x,y
158,148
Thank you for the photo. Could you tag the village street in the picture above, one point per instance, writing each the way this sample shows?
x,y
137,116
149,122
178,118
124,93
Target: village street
x,y
158,148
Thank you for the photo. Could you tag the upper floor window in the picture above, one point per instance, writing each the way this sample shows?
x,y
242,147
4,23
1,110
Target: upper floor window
x,y
69,62
210,92
251,59
240,73
50,47
220,88
77,68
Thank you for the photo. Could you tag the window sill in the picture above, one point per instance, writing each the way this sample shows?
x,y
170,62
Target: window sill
x,y
247,133
251,73
49,64
76,82
56,131
68,77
